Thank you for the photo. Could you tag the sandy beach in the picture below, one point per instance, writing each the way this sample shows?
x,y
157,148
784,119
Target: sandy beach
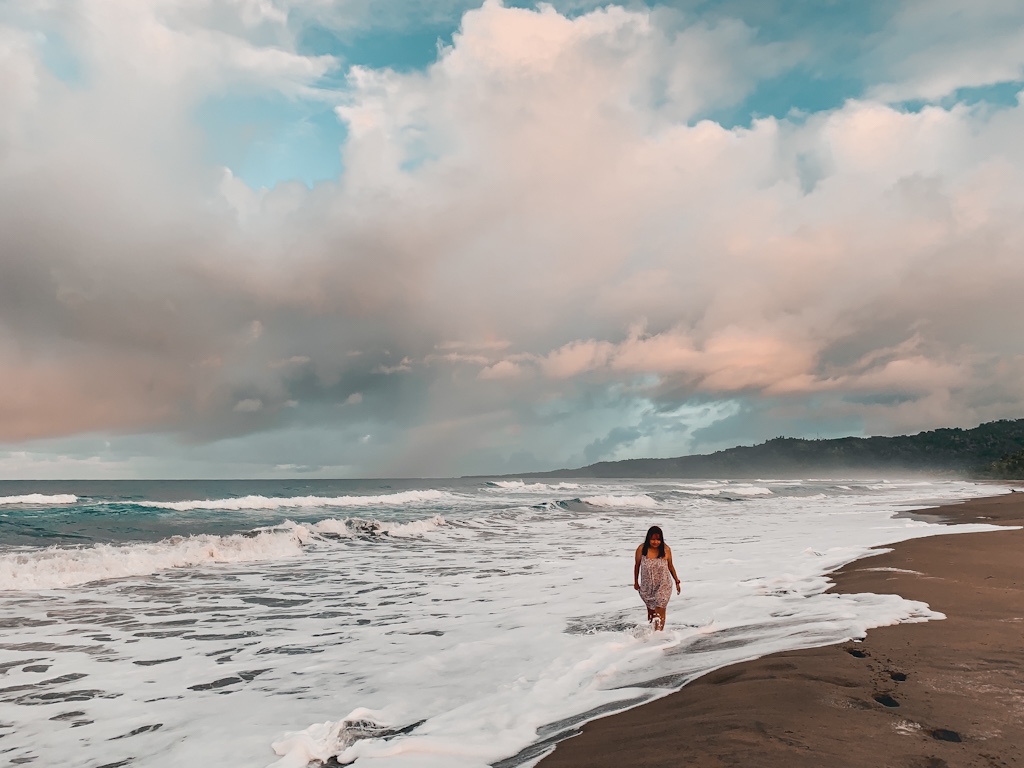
x,y
939,694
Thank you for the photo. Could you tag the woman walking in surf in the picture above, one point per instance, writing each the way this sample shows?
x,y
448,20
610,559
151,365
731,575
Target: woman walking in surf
x,y
653,573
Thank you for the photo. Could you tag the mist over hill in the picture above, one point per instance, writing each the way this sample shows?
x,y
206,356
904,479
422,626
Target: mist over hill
x,y
992,450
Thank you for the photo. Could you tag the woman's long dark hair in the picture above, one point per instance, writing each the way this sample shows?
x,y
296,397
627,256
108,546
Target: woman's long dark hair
x,y
647,542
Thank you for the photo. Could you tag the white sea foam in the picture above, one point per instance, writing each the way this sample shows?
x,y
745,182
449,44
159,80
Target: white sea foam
x,y
294,502
414,528
581,673
886,485
40,498
56,567
641,500
59,567
750,490
519,485
354,526
726,490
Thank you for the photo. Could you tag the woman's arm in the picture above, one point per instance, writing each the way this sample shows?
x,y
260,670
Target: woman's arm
x,y
671,568
636,569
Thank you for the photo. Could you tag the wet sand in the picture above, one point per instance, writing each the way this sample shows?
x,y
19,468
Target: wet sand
x,y
940,694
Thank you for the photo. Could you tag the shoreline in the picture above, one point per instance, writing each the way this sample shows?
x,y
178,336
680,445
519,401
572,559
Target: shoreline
x,y
937,694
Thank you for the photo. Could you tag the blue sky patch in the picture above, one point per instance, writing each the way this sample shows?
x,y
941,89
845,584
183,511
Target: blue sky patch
x,y
267,138
1005,94
60,59
401,50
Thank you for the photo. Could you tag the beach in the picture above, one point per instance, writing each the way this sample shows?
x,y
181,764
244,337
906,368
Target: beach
x,y
937,694
456,624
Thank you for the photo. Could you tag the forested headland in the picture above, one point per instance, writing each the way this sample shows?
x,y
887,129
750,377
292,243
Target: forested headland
x,y
994,450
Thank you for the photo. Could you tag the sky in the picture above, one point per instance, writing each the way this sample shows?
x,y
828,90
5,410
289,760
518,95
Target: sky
x,y
346,238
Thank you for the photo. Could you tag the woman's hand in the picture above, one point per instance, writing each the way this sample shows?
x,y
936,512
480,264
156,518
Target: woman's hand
x,y
679,589
636,585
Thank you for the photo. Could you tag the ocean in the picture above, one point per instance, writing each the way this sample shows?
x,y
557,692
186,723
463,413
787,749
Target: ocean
x,y
426,624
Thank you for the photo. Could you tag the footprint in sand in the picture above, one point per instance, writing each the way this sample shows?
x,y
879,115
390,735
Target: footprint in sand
x,y
886,700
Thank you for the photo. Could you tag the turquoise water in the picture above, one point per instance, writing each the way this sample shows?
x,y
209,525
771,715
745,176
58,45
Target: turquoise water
x,y
114,511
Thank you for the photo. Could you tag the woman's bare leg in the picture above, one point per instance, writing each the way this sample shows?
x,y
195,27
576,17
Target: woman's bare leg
x,y
659,621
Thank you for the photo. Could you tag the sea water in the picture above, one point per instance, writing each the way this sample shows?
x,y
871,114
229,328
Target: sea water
x,y
454,624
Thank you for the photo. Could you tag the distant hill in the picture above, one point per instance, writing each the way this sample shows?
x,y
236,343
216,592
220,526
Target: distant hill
x,y
993,450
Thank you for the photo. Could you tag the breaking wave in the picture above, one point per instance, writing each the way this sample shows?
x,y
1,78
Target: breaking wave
x,y
56,567
638,500
293,502
519,485
356,526
59,567
40,498
729,490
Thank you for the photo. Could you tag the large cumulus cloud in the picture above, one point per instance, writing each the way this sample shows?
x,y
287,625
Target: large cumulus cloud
x,y
538,252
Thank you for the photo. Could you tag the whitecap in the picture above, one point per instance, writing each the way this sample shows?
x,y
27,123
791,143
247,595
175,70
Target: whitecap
x,y
56,567
59,567
293,502
40,498
749,490
354,526
519,485
637,500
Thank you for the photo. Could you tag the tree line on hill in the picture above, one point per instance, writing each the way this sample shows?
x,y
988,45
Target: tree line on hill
x,y
994,450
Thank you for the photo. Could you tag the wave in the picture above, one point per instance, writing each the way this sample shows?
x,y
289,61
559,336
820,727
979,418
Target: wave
x,y
58,567
322,741
519,485
750,490
638,500
727,490
40,498
886,485
292,502
356,526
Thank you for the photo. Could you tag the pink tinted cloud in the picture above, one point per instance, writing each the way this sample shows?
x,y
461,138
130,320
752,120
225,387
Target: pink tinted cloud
x,y
53,398
503,369
729,361
548,183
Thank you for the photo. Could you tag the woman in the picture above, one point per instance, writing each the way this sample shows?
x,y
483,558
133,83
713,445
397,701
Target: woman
x,y
651,575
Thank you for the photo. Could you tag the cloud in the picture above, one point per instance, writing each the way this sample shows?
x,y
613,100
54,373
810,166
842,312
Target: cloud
x,y
618,437
931,49
537,246
503,369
